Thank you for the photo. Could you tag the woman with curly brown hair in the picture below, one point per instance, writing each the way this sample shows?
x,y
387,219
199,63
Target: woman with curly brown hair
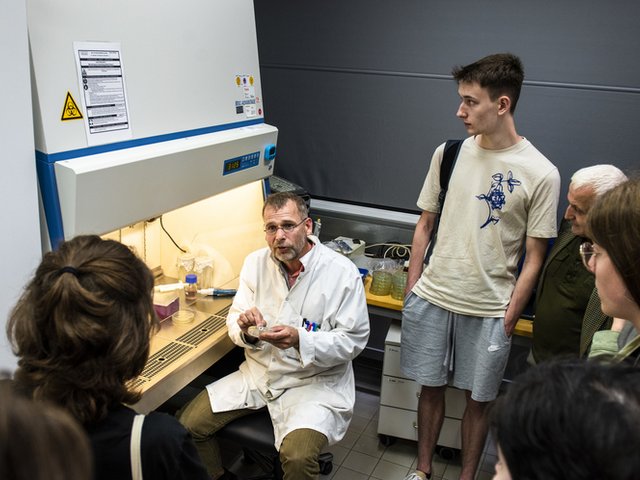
x,y
81,331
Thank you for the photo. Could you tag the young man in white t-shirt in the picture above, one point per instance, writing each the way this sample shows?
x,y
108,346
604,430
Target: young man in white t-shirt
x,y
462,306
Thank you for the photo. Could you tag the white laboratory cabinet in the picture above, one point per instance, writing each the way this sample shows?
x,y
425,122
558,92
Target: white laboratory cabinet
x,y
398,417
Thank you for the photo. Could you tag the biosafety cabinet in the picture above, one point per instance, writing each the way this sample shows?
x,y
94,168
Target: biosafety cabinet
x,y
149,128
143,107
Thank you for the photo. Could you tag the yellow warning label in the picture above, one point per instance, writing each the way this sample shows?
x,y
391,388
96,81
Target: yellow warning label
x,y
70,110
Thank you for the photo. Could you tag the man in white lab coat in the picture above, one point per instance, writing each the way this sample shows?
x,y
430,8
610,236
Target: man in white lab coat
x,y
300,313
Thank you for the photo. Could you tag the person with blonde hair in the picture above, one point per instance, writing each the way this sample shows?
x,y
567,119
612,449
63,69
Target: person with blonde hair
x,y
81,332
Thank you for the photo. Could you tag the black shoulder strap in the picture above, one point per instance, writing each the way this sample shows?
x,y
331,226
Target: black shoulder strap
x,y
449,157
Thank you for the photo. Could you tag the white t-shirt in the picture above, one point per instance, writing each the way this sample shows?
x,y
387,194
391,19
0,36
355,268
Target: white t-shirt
x,y
495,199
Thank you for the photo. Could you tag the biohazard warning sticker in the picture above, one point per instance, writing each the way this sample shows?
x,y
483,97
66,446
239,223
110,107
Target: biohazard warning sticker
x,y
70,111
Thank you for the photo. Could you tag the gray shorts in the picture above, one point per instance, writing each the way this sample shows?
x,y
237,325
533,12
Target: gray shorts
x,y
439,347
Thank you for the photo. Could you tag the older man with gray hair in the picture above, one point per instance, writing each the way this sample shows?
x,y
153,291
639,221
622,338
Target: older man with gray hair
x,y
567,304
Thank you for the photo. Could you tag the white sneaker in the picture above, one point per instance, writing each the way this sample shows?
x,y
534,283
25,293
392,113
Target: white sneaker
x,y
413,476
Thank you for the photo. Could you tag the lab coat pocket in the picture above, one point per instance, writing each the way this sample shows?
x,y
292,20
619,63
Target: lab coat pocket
x,y
233,392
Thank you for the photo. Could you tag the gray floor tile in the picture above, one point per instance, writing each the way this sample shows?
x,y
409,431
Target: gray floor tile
x,y
360,462
347,474
452,472
349,439
389,471
339,454
401,452
358,424
372,428
369,445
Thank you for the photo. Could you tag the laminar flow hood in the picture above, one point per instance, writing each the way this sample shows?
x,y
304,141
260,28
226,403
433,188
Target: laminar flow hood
x,y
143,107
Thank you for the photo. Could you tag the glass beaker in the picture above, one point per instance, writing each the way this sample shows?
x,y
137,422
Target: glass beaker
x,y
381,283
203,267
398,284
185,264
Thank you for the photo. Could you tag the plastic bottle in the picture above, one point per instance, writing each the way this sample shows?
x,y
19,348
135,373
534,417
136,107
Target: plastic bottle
x,y
191,287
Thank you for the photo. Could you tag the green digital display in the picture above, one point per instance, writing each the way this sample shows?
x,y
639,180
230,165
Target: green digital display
x,y
231,166
241,163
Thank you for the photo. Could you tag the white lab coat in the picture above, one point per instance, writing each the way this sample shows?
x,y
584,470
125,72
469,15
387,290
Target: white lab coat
x,y
313,386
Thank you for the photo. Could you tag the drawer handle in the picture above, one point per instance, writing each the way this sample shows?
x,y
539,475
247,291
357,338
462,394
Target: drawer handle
x,y
415,425
417,394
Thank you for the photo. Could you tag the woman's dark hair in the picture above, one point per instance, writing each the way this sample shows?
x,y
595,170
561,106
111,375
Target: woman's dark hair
x,y
81,329
614,224
570,420
40,441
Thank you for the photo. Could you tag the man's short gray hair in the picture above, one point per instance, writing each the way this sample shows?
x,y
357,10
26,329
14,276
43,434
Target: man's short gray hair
x,y
601,178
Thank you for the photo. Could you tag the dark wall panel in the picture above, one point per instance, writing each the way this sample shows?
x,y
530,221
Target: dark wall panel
x,y
362,94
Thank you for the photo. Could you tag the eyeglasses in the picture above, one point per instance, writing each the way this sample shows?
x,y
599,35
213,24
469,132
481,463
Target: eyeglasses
x,y
286,227
587,252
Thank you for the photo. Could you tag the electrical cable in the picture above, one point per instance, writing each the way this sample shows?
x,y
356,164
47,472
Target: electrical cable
x,y
170,237
395,249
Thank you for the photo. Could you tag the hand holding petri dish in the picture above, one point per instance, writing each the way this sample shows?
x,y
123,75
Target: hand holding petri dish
x,y
255,330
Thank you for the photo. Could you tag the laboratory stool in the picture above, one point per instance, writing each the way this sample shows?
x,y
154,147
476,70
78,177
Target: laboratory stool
x,y
254,433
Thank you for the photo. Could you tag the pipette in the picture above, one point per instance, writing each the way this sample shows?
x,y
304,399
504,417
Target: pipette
x,y
217,292
168,287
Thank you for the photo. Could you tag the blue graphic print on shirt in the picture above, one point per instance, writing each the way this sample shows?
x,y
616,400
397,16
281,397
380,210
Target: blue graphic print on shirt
x,y
495,198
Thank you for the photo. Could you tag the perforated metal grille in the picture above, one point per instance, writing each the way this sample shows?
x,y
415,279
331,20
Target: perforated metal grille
x,y
138,382
202,331
163,358
186,342
224,312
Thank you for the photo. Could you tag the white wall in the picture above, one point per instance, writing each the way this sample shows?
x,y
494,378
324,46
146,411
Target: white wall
x,y
20,249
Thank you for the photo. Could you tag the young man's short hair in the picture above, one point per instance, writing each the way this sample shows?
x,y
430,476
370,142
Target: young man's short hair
x,y
500,74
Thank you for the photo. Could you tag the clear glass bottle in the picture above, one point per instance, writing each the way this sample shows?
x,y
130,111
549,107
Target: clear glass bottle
x,y
203,267
191,287
185,264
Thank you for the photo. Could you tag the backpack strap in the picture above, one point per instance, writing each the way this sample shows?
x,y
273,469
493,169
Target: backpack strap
x,y
134,447
449,157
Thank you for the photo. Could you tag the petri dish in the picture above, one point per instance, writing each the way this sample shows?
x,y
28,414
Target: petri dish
x,y
183,317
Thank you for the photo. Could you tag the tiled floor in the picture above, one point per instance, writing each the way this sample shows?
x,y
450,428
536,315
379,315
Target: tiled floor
x,y
360,455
